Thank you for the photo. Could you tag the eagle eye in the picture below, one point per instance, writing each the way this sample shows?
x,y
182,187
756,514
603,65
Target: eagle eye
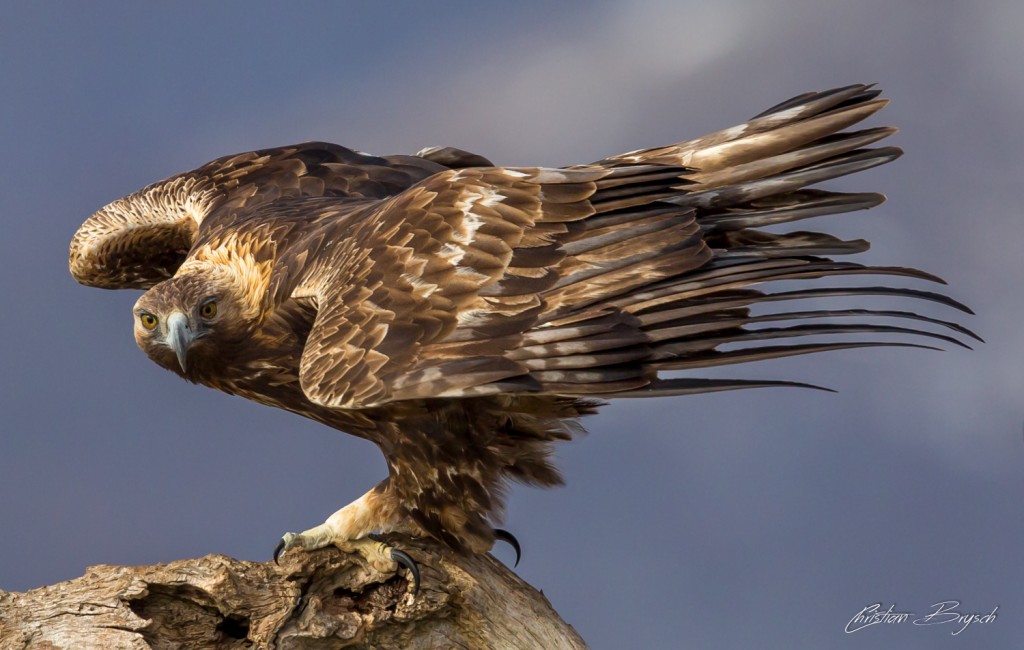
x,y
148,320
209,309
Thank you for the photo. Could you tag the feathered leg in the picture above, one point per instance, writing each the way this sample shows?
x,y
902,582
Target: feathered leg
x,y
351,528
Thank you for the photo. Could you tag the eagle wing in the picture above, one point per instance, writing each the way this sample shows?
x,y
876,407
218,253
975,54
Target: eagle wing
x,y
592,280
427,293
142,239
437,275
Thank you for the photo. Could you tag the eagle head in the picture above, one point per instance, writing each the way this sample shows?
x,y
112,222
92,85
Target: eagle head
x,y
188,323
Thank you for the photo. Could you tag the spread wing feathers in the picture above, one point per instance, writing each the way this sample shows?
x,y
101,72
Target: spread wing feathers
x,y
685,323
142,239
427,293
592,280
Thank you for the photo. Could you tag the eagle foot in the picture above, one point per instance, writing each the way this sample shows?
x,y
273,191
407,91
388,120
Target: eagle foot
x,y
503,535
377,553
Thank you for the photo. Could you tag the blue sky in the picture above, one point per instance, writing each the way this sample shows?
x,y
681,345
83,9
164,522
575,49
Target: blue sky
x,y
751,519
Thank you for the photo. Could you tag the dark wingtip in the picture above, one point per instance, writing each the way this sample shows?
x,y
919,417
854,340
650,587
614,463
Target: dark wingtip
x,y
825,389
277,552
510,539
795,384
403,559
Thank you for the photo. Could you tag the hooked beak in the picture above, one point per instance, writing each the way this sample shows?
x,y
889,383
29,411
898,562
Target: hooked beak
x,y
179,336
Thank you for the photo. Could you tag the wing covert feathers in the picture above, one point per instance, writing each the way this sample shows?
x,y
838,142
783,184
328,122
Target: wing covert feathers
x,y
453,272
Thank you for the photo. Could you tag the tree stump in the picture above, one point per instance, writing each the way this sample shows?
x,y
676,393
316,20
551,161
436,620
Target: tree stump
x,y
324,599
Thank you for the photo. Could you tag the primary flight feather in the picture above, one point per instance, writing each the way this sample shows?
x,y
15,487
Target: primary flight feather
x,y
462,316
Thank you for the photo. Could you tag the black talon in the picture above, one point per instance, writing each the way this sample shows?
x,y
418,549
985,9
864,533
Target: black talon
x,y
510,539
277,552
403,558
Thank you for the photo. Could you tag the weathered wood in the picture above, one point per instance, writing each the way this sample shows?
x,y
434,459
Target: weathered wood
x,y
324,599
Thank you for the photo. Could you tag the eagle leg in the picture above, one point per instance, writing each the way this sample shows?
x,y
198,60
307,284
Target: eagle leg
x,y
350,530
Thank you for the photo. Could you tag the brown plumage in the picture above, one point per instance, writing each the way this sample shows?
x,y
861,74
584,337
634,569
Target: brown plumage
x,y
462,316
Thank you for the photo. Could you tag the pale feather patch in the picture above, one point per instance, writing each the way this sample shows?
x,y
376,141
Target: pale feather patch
x,y
360,518
473,317
470,223
420,287
234,259
781,117
465,233
452,254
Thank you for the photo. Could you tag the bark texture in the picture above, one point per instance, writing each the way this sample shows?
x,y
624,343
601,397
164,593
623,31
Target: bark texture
x,y
325,599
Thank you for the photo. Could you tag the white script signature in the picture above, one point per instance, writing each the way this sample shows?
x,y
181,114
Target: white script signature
x,y
946,611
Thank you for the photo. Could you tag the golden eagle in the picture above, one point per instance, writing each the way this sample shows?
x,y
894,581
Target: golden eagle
x,y
462,316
